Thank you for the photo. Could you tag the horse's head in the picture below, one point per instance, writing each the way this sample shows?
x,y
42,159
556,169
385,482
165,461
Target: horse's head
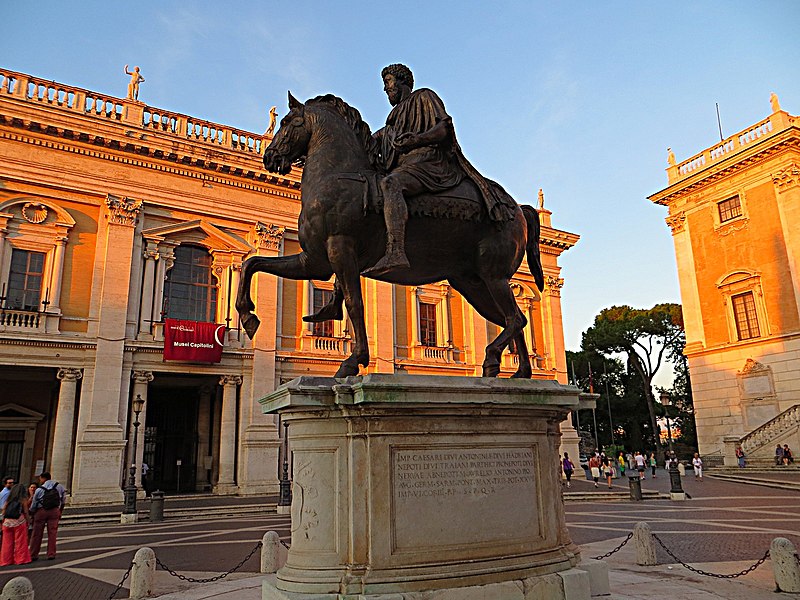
x,y
290,143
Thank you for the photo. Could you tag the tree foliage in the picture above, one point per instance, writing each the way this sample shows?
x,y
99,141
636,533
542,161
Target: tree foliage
x,y
646,339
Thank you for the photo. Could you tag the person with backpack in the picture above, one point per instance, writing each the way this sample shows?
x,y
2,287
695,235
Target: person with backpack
x,y
14,550
48,502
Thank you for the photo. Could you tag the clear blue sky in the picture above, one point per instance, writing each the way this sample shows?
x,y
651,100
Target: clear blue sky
x,y
579,98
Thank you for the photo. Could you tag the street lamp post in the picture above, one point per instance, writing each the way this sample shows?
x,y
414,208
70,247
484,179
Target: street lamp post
x,y
285,498
130,489
667,403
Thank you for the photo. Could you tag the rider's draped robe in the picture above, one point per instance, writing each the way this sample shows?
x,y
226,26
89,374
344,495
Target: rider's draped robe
x,y
439,167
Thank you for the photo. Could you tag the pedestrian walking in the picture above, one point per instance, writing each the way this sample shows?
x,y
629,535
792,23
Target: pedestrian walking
x,y
621,461
48,503
640,464
594,467
607,472
653,464
740,457
568,467
697,463
14,550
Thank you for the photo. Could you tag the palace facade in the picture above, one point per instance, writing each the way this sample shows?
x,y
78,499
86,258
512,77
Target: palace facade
x,y
734,212
116,216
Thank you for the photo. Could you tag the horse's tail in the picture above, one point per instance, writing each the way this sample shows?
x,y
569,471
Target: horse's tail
x,y
532,249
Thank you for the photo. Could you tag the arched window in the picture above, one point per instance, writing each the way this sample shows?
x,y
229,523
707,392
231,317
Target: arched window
x,y
190,291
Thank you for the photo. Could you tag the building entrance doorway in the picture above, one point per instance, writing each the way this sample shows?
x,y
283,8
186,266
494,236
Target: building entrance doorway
x,y
170,439
12,443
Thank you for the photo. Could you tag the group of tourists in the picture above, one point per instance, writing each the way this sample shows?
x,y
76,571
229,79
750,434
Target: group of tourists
x,y
26,511
636,464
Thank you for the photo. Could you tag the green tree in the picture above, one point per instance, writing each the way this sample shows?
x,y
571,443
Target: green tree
x,y
647,338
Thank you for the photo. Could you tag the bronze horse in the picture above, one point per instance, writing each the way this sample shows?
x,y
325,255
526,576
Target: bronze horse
x,y
341,233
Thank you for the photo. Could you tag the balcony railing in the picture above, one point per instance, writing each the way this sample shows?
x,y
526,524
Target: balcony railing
x,y
21,320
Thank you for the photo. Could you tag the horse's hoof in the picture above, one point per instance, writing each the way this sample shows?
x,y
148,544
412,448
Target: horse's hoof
x,y
326,313
346,370
250,323
491,370
522,373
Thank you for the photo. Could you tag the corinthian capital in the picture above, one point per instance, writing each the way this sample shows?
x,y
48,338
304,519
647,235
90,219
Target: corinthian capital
x,y
123,211
269,236
676,222
788,177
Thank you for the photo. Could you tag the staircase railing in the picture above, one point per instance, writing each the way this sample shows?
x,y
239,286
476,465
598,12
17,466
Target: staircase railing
x,y
771,430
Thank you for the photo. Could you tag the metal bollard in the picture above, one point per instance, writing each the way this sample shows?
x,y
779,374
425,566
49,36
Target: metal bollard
x,y
142,573
636,487
270,547
19,588
645,545
157,506
784,565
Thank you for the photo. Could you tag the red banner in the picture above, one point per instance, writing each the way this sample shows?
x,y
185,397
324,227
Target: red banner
x,y
193,341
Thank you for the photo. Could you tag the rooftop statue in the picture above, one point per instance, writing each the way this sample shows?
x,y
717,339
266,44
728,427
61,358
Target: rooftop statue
x,y
402,206
133,86
774,102
273,120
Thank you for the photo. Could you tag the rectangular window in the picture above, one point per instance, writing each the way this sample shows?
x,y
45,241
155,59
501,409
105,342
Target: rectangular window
x,y
321,298
744,312
25,280
427,324
729,209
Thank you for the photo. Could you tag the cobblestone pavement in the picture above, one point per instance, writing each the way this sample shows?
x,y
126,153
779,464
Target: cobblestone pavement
x,y
724,527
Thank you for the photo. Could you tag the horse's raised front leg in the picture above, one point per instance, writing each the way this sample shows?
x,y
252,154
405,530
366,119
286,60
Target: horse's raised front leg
x,y
296,266
344,260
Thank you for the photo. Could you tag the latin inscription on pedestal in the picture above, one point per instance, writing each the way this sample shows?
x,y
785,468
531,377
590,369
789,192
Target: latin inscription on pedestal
x,y
447,496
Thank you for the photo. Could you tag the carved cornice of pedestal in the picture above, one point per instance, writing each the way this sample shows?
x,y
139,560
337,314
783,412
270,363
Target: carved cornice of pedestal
x,y
230,380
69,374
788,177
269,236
123,211
676,222
142,376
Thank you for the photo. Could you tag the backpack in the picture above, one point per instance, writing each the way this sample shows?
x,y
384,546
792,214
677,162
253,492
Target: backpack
x,y
51,498
13,510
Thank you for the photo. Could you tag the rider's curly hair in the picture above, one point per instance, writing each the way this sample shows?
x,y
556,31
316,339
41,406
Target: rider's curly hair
x,y
401,72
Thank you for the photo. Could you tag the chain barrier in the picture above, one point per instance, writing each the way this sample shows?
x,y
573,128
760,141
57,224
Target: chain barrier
x,y
122,581
209,579
617,549
749,569
284,544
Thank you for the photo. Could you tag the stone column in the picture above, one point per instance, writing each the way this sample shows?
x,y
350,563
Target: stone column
x,y
227,435
62,431
447,337
258,435
414,316
148,288
58,270
141,380
476,337
203,439
100,446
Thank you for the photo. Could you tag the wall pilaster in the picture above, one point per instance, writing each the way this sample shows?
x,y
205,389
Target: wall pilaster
x,y
101,437
787,194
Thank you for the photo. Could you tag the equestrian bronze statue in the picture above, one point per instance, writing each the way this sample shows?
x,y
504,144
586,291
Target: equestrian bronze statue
x,y
402,206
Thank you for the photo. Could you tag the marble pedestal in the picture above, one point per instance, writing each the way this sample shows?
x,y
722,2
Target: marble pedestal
x,y
407,485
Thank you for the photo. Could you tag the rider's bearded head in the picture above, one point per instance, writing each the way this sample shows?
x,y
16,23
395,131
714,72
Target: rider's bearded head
x,y
401,73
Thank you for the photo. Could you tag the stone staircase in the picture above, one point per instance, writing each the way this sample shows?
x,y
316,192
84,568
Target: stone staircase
x,y
758,444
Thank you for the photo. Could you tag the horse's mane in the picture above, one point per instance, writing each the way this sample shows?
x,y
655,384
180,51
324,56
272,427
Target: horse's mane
x,y
353,118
